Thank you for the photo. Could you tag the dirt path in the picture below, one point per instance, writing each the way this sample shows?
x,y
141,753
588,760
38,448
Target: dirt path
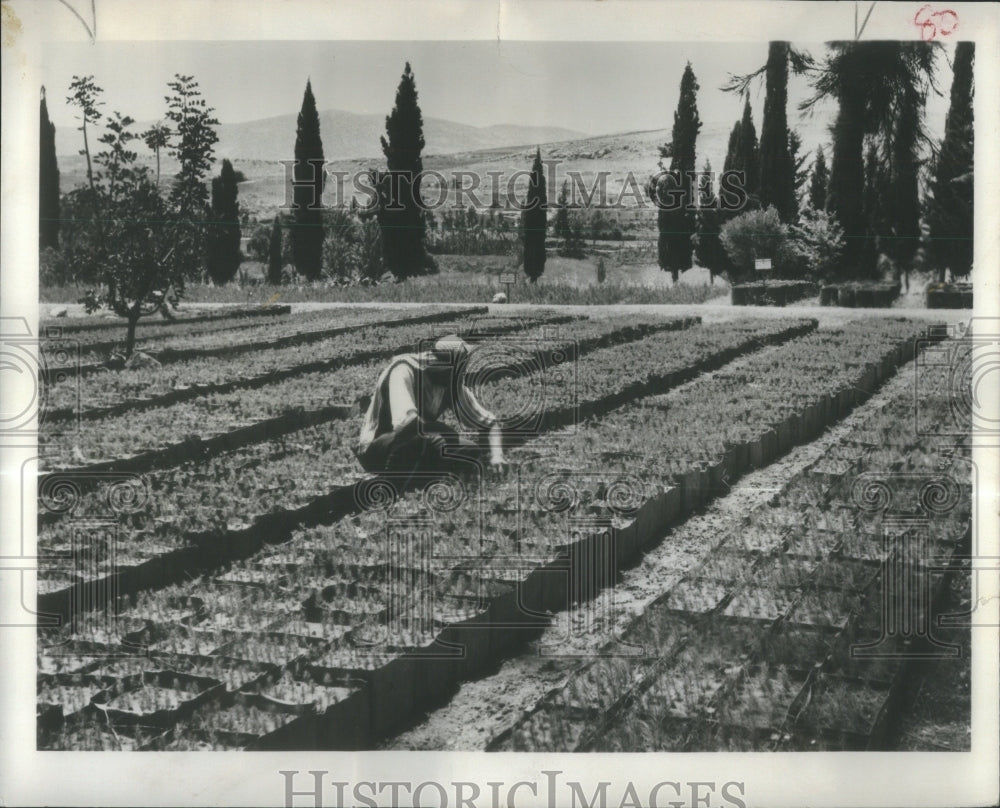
x,y
483,709
716,310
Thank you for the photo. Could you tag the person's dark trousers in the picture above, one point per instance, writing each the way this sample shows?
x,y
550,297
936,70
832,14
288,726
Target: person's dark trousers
x,y
426,446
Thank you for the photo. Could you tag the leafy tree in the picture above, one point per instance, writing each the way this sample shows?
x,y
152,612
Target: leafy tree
x,y
309,177
401,221
48,180
777,172
534,221
708,248
85,95
819,241
138,246
275,253
758,234
950,211
224,232
573,246
259,243
818,182
128,252
157,138
193,146
673,191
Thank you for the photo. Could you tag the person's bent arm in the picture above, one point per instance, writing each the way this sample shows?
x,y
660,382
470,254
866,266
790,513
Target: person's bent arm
x,y
475,415
402,397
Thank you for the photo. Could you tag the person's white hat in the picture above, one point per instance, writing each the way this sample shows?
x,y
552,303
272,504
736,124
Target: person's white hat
x,y
451,349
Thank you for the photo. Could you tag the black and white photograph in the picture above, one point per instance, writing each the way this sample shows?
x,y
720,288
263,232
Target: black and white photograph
x,y
466,393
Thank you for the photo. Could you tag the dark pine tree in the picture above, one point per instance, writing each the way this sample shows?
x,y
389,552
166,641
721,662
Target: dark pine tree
x,y
800,171
868,79
708,249
534,222
874,214
224,233
743,155
561,228
48,181
307,191
818,182
275,252
402,221
903,204
675,192
950,207
777,172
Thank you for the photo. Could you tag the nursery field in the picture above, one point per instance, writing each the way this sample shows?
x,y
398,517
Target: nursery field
x,y
219,573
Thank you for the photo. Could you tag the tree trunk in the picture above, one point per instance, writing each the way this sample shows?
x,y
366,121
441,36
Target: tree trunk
x,y
133,320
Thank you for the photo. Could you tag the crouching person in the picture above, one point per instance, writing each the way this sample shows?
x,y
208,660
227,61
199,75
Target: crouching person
x,y
401,429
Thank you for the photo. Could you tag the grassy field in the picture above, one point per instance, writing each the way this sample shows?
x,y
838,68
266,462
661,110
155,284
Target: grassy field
x,y
470,279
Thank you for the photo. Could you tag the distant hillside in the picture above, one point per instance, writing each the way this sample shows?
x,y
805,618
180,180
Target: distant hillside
x,y
348,135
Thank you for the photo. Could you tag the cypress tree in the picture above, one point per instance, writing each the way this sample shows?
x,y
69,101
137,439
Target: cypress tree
x,y
777,172
903,208
708,248
561,228
275,253
48,180
404,230
950,211
743,154
307,191
818,182
873,214
675,191
800,173
534,222
224,233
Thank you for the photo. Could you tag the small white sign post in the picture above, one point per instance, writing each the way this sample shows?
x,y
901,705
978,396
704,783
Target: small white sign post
x,y
763,268
508,279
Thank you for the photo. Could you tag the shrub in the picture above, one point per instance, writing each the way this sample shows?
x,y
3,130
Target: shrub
x,y
818,242
759,234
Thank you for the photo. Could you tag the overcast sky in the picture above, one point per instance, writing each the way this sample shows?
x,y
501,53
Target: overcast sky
x,y
591,87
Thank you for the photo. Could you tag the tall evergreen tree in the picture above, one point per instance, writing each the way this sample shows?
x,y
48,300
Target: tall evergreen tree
x,y
534,221
561,228
48,180
867,79
903,204
744,155
307,193
674,190
777,172
275,252
950,211
800,171
708,248
224,233
402,221
874,214
818,182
